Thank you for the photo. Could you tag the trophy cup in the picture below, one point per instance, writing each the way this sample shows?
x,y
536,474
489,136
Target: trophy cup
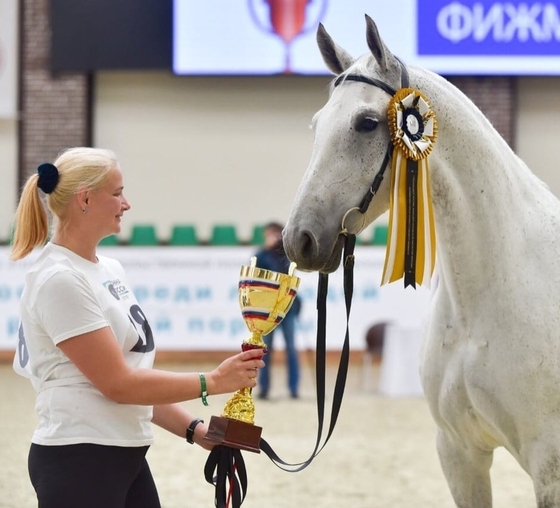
x,y
265,297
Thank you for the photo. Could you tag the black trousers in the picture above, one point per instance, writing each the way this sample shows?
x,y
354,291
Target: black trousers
x,y
92,476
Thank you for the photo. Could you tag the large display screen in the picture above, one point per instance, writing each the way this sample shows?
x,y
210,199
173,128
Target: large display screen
x,y
450,37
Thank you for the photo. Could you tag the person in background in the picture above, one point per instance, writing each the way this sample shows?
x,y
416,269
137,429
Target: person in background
x,y
272,257
88,348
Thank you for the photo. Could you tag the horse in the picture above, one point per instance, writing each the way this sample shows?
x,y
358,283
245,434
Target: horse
x,y
490,358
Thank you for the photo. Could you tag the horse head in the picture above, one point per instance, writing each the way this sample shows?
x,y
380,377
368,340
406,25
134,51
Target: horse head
x,y
351,140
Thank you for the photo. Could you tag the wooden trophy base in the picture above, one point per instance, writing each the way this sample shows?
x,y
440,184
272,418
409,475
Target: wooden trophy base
x,y
234,433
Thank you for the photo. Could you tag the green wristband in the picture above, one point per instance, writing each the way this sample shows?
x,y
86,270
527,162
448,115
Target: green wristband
x,y
203,389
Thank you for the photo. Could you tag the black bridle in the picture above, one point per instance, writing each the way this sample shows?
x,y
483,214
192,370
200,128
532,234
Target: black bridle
x,y
364,204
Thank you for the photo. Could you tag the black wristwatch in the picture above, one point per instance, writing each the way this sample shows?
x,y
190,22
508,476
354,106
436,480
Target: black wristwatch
x,y
190,429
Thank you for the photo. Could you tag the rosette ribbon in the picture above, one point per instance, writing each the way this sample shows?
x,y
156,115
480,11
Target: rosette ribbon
x,y
411,246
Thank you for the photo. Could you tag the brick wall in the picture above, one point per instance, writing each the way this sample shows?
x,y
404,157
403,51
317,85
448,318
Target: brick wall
x,y
55,110
496,98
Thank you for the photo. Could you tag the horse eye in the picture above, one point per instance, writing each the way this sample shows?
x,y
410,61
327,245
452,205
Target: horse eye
x,y
367,124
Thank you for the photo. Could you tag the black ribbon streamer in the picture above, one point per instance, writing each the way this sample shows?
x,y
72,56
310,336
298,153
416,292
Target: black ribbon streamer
x,y
411,223
225,469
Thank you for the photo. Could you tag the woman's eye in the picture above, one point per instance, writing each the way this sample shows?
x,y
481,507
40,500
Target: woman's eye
x,y
367,124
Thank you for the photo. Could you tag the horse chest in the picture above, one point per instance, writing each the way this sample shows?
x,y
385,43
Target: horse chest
x,y
456,385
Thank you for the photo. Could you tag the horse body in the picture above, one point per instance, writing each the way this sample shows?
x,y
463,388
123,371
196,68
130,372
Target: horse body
x,y
490,362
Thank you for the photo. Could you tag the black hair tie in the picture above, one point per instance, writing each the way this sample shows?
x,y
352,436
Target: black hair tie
x,y
48,177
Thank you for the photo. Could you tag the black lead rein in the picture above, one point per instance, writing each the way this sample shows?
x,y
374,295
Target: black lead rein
x,y
320,374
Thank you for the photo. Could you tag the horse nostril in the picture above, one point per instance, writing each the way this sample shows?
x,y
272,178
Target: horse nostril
x,y
308,245
301,246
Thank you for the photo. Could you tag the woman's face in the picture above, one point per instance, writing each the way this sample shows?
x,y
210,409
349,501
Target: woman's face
x,y
107,204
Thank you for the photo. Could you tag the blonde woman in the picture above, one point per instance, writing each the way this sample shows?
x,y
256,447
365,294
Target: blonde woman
x,y
88,348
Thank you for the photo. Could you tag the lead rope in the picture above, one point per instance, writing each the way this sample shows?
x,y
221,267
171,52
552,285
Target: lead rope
x,y
320,366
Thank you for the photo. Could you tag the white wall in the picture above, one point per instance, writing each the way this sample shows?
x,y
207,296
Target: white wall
x,y
207,150
8,175
210,150
537,128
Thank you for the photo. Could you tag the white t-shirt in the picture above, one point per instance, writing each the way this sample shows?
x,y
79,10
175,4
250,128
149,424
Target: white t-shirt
x,y
64,296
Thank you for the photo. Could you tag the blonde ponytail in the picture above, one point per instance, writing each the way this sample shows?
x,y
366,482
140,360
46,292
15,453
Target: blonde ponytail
x,y
31,224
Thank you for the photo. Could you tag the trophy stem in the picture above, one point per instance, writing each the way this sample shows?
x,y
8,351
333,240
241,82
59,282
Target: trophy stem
x,y
255,340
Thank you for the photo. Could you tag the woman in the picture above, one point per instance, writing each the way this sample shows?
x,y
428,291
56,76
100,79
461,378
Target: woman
x,y
88,348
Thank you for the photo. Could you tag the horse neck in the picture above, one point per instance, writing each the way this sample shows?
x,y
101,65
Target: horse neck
x,y
486,201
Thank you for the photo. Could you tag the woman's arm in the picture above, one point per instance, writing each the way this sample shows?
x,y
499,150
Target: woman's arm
x,y
175,419
98,356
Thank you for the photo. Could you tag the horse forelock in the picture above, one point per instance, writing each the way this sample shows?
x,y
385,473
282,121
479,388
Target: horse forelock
x,y
359,67
367,67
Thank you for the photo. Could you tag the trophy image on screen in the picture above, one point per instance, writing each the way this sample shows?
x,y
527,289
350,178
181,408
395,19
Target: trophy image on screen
x,y
287,20
264,297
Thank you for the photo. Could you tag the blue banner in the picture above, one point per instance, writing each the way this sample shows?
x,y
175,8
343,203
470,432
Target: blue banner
x,y
488,27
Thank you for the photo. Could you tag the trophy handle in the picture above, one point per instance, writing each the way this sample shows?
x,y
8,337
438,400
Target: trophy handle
x,y
256,19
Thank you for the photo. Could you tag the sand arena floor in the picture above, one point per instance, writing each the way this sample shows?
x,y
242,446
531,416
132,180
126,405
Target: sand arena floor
x,y
381,455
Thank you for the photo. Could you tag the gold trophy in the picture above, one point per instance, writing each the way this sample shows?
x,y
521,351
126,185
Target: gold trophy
x,y
265,298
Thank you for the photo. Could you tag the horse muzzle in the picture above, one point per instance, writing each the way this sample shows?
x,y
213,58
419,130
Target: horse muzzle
x,y
309,253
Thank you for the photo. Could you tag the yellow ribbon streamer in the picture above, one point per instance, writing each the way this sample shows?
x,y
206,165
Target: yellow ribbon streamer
x,y
413,128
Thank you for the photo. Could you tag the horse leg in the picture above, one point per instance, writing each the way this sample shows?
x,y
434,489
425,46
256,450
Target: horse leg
x,y
467,471
544,468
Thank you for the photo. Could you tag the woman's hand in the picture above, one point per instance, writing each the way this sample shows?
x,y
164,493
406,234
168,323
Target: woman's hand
x,y
235,372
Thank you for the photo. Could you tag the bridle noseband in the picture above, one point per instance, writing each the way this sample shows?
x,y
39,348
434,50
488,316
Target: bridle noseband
x,y
372,191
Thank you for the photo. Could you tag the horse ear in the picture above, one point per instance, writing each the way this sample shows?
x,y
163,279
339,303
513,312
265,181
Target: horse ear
x,y
336,58
376,44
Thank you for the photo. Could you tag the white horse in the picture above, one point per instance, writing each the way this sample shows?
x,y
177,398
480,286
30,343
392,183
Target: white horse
x,y
490,362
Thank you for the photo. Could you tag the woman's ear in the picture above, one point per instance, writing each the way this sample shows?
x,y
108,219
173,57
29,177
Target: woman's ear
x,y
82,197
